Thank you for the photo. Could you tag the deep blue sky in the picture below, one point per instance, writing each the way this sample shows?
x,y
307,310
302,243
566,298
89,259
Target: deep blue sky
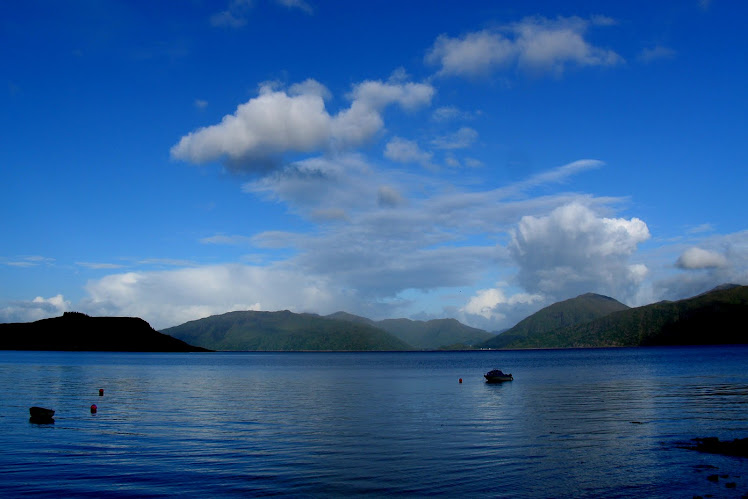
x,y
477,160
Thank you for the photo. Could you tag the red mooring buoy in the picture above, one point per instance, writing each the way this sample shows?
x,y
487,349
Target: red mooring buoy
x,y
460,380
101,392
93,409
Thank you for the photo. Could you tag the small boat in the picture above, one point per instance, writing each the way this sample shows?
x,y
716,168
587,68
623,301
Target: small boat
x,y
41,415
496,376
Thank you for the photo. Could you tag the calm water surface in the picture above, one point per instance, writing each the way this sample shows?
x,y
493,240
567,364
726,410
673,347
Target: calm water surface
x,y
573,423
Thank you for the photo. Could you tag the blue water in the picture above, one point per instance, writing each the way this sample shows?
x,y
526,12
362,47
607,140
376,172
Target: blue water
x,y
573,423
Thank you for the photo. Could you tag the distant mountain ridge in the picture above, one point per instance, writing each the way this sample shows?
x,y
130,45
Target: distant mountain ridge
x,y
74,331
284,331
425,335
715,317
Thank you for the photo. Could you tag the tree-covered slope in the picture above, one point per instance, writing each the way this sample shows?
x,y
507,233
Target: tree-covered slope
x,y
579,310
425,335
715,317
283,331
434,334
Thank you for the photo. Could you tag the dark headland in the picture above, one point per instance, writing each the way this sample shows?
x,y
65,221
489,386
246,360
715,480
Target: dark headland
x,y
75,331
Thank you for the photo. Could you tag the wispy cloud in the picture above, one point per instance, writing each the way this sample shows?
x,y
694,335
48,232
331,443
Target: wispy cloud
x,y
32,310
27,261
655,53
297,4
232,240
234,16
407,151
535,44
99,265
461,139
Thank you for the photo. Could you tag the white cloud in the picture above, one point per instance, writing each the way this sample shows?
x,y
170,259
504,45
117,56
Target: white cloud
x,y
201,104
572,250
406,151
99,265
28,261
234,16
277,122
561,173
167,262
487,302
461,139
229,240
697,258
169,298
297,4
262,128
361,121
534,44
474,54
38,308
701,228
451,113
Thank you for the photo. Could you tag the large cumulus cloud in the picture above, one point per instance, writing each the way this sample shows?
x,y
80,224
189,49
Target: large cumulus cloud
x,y
573,250
276,122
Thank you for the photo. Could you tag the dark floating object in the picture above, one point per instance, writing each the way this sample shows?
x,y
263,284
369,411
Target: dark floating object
x,y
713,445
40,415
93,408
101,392
496,376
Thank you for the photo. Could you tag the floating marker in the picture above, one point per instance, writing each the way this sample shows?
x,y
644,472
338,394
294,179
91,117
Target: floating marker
x,y
101,392
460,380
93,409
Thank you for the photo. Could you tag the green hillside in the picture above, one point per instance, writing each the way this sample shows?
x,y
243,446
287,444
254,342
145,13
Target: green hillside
x,y
579,310
283,331
445,334
434,334
715,317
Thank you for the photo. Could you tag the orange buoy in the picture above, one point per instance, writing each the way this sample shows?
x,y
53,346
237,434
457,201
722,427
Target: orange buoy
x,y
93,409
460,380
101,392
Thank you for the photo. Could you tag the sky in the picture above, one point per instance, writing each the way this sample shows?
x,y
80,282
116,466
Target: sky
x,y
468,159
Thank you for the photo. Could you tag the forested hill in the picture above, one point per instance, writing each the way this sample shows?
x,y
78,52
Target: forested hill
x,y
79,332
283,331
426,335
579,310
715,317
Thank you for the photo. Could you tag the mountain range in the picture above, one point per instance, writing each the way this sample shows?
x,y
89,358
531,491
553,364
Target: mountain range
x,y
589,320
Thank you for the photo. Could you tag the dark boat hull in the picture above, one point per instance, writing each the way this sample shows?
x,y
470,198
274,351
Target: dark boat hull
x,y
41,415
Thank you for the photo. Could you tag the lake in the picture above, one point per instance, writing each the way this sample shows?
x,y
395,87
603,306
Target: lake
x,y
573,423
